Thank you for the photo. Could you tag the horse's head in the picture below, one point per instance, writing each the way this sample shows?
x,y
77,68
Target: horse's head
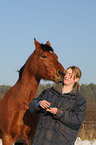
x,y
46,64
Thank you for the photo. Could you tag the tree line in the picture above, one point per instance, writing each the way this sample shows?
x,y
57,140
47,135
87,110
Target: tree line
x,y
87,91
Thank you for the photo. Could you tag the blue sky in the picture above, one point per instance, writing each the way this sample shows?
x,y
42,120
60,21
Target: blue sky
x,y
69,25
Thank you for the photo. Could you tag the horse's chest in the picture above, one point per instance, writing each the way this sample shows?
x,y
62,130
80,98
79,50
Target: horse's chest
x,y
16,124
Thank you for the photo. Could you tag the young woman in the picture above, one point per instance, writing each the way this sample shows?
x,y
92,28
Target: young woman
x,y
62,111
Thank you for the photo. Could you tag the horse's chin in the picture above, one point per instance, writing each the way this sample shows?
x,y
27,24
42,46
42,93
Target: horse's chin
x,y
60,80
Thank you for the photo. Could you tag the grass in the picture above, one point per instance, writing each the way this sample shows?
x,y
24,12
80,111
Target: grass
x,y
88,131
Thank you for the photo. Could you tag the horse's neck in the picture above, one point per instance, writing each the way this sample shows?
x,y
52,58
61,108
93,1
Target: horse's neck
x,y
27,87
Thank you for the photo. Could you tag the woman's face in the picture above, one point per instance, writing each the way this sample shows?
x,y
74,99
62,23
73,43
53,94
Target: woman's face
x,y
69,78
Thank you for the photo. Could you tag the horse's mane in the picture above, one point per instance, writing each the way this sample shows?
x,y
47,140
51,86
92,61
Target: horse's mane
x,y
45,47
21,71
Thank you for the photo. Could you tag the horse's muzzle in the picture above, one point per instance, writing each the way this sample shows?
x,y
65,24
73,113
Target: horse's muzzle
x,y
59,77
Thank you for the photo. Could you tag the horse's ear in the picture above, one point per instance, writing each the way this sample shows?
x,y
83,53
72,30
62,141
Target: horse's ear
x,y
37,44
48,43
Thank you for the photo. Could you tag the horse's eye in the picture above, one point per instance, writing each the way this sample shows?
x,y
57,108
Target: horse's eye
x,y
44,56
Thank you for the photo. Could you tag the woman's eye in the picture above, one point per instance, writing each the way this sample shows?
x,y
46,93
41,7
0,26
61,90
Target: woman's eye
x,y
44,56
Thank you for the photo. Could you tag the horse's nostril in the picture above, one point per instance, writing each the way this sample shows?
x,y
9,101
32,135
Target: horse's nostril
x,y
60,73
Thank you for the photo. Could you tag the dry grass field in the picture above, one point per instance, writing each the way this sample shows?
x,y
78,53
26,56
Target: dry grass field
x,y
88,128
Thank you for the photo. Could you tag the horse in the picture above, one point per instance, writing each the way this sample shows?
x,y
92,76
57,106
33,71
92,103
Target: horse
x,y
17,124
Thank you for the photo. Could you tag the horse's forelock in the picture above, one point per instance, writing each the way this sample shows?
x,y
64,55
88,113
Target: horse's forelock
x,y
46,47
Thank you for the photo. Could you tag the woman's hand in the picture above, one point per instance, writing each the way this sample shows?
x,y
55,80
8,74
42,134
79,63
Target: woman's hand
x,y
44,104
52,110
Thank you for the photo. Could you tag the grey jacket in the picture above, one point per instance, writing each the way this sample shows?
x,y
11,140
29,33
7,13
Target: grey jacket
x,y
62,128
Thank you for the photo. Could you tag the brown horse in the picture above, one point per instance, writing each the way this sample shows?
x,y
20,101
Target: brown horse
x,y
17,124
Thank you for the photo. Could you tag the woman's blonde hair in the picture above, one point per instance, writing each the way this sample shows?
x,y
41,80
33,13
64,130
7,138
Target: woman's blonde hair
x,y
77,74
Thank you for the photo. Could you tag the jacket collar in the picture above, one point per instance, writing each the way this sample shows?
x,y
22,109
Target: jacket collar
x,y
58,88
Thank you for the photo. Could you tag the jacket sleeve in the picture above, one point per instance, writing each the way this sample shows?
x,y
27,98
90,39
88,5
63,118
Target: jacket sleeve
x,y
74,117
33,104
